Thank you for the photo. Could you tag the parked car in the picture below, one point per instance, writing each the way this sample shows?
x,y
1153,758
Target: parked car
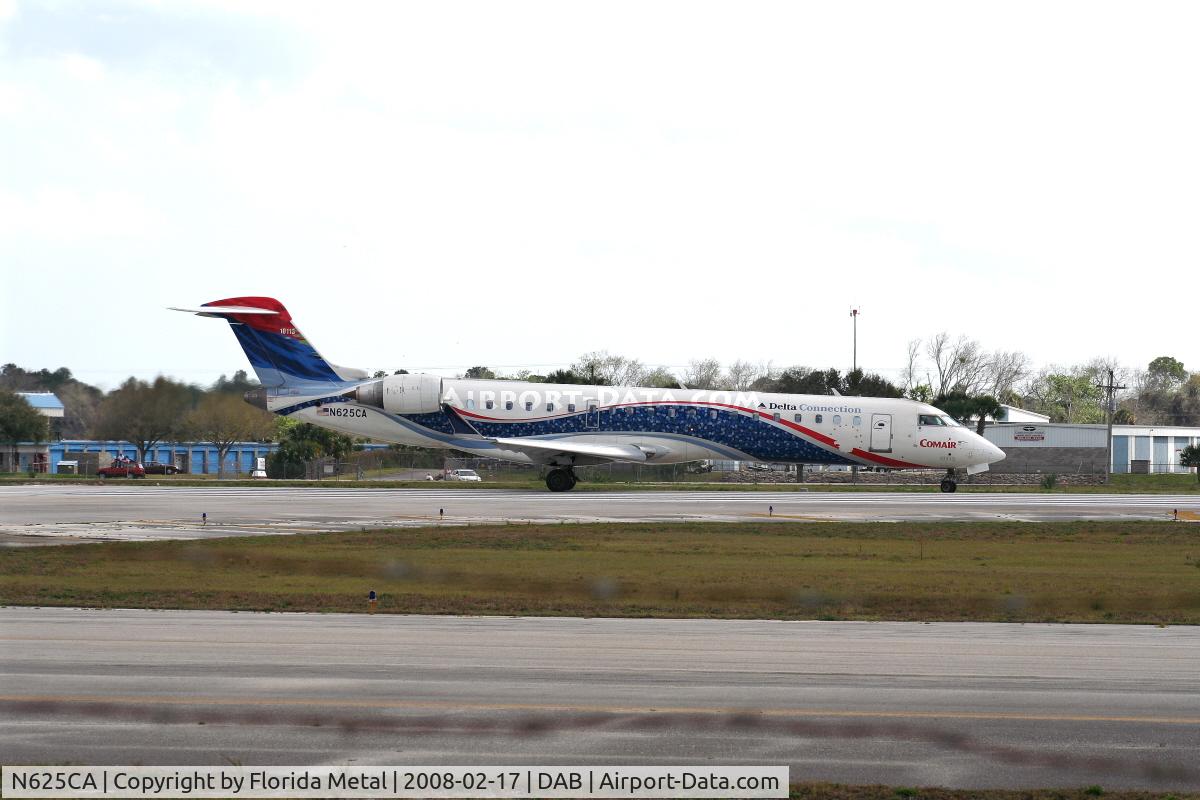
x,y
159,468
463,475
759,467
122,469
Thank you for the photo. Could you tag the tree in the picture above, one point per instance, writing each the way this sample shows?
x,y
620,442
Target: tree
x,y
223,420
80,400
238,385
910,378
144,414
703,374
1003,372
660,378
970,408
861,384
1190,457
561,376
302,442
1165,374
741,375
603,369
20,422
1072,396
479,373
960,363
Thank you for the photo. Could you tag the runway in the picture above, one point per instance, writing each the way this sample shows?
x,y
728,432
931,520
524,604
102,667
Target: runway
x,y
31,514
952,704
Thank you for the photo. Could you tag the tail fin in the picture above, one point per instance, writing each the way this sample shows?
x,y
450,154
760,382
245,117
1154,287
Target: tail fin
x,y
277,350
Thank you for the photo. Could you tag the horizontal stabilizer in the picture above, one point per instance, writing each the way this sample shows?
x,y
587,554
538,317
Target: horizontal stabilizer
x,y
214,311
542,449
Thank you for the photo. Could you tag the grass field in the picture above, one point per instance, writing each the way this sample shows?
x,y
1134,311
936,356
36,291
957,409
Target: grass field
x,y
1147,572
1121,484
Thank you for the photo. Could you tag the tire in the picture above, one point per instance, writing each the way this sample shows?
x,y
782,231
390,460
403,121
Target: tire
x,y
559,480
949,485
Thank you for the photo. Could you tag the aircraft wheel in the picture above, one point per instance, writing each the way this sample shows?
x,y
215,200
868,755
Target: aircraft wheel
x,y
559,480
949,485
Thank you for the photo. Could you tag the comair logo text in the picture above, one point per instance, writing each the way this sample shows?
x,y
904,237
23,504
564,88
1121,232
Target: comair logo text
x,y
932,443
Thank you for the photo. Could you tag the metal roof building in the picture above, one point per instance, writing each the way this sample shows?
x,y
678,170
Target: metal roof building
x,y
46,403
1151,448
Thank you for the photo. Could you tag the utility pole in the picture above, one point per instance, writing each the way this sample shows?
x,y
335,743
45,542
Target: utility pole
x,y
853,369
1109,388
854,362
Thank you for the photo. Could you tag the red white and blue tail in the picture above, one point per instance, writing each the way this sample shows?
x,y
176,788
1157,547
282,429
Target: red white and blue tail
x,y
277,350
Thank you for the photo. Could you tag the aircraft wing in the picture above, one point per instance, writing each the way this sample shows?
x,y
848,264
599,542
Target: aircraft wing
x,y
554,450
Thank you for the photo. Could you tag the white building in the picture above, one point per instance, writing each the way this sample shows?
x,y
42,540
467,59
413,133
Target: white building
x,y
1151,448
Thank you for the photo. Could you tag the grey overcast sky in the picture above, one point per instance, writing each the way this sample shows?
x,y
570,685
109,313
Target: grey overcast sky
x,y
436,185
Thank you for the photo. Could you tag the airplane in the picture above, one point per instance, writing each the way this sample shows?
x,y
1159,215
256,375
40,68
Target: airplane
x,y
562,427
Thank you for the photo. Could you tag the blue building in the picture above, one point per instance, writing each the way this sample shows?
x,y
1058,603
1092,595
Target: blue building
x,y
194,458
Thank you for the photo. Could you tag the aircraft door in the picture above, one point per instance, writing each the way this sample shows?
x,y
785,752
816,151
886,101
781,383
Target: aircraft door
x,y
592,420
881,433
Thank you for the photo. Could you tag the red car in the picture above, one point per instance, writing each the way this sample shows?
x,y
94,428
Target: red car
x,y
122,469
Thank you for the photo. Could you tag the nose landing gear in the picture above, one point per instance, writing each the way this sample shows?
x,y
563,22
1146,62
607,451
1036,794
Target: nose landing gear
x,y
948,483
561,479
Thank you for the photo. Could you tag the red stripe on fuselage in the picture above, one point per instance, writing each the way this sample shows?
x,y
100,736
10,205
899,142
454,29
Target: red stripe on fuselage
x,y
884,461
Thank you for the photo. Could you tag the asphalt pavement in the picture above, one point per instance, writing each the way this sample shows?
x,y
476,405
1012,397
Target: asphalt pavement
x,y
952,704
41,514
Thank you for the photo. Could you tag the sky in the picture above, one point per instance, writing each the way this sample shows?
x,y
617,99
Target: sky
x,y
432,186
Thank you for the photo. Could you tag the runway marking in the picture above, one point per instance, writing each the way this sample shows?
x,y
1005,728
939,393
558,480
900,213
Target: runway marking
x,y
593,709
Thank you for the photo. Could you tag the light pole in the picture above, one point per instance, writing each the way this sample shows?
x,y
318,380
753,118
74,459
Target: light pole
x,y
854,362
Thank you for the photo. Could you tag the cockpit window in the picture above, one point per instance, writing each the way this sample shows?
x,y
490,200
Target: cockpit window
x,y
952,422
930,419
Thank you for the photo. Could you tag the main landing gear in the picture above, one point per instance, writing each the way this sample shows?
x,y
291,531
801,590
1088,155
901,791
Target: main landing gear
x,y
948,484
561,479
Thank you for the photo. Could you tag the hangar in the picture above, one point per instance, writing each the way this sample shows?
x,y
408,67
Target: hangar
x,y
1044,447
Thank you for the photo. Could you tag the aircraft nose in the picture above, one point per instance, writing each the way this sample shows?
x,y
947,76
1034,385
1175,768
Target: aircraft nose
x,y
994,453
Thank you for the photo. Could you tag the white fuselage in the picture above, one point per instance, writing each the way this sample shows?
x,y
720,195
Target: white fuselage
x,y
667,425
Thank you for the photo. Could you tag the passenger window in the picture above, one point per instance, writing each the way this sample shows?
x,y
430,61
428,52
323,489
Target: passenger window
x,y
798,417
489,404
628,411
819,418
712,413
775,416
670,412
930,419
691,412
857,421
508,405
529,405
549,406
570,408
470,404
837,419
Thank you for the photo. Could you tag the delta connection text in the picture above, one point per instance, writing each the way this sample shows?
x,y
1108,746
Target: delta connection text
x,y
303,782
